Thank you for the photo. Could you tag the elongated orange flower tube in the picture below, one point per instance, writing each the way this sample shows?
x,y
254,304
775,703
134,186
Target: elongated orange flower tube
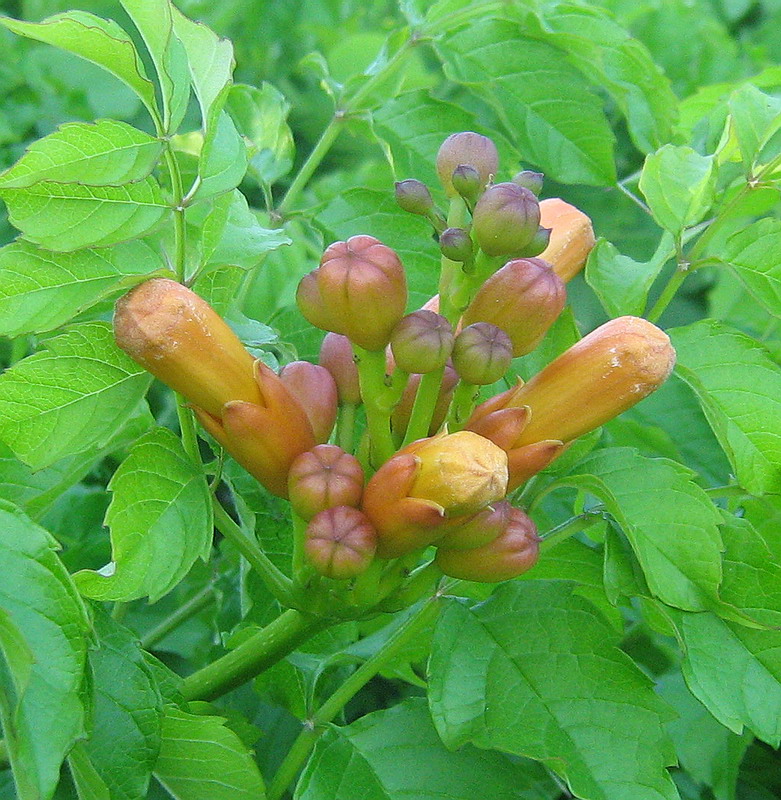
x,y
571,238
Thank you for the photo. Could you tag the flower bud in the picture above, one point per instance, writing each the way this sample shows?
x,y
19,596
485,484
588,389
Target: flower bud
x,y
598,378
411,496
506,219
456,244
336,355
466,533
422,342
530,180
571,239
482,353
509,555
401,414
467,149
324,477
176,335
414,197
340,543
523,298
359,290
315,390
467,182
538,244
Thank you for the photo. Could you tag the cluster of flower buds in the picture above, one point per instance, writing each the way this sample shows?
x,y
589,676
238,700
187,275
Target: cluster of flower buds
x,y
432,469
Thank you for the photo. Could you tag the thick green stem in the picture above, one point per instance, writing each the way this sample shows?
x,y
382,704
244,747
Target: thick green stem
x,y
423,408
668,293
463,404
302,747
259,652
274,579
567,529
345,427
196,603
371,374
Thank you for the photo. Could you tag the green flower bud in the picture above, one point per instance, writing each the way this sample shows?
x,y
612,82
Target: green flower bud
x,y
340,542
538,244
530,180
482,353
468,149
422,342
506,219
456,244
467,182
324,477
414,197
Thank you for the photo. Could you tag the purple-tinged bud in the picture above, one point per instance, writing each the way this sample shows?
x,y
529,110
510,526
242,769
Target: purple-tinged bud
x,y
482,353
509,555
359,290
506,219
315,389
456,244
340,542
530,180
477,530
523,298
403,411
538,244
324,477
414,197
422,342
336,355
466,149
467,182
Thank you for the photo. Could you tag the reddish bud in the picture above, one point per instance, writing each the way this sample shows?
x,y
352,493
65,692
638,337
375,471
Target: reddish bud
x,y
324,477
359,290
456,244
422,342
403,410
340,543
315,390
509,555
336,355
523,298
506,219
414,197
477,530
468,149
482,353
530,180
571,238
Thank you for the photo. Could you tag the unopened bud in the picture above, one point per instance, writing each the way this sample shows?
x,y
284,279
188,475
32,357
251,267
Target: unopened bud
x,y
324,477
523,298
477,530
414,197
467,182
176,335
336,355
509,555
571,239
340,542
506,219
315,389
359,290
530,180
422,342
456,244
482,353
538,244
470,150
401,414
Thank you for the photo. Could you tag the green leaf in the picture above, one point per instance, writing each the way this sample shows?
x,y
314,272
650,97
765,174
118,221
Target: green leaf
x,y
124,740
43,637
755,117
735,672
89,785
74,395
201,759
105,153
160,519
555,120
621,283
755,254
97,40
154,21
41,290
223,161
739,388
260,114
679,185
69,216
561,692
670,521
396,755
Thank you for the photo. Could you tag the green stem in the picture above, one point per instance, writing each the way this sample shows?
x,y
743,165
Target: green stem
x,y
187,429
345,427
274,579
423,408
302,747
371,374
299,540
269,645
669,291
191,607
567,529
463,404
